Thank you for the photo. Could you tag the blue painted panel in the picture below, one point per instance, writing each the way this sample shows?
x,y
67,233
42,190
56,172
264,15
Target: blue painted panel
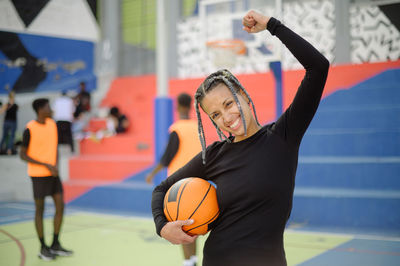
x,y
382,117
163,120
364,94
347,212
137,201
60,63
350,143
384,176
132,195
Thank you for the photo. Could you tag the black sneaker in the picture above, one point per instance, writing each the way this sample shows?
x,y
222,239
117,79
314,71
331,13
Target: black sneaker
x,y
57,249
45,254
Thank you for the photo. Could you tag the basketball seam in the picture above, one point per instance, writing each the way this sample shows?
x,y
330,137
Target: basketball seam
x,y
200,202
179,200
166,207
187,231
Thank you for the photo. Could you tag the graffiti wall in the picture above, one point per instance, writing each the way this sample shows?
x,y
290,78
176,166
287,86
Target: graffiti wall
x,y
373,37
46,45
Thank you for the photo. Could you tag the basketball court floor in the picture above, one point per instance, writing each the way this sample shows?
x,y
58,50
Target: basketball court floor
x,y
119,239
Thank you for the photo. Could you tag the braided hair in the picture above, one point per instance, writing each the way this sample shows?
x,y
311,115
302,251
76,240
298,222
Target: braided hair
x,y
220,77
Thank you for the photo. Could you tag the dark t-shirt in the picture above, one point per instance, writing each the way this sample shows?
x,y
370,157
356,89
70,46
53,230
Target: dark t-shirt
x,y
255,177
11,113
120,128
83,103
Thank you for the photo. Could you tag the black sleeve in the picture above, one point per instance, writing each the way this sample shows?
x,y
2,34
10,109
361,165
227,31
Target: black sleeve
x,y
26,137
171,150
295,120
194,168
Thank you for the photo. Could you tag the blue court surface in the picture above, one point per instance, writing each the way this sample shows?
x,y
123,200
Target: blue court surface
x,y
122,239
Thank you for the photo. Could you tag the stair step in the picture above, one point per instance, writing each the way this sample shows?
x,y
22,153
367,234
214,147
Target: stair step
x,y
326,207
383,117
350,142
349,172
118,145
107,167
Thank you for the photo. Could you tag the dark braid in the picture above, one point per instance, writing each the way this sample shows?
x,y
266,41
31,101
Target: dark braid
x,y
200,128
233,90
216,78
236,81
221,134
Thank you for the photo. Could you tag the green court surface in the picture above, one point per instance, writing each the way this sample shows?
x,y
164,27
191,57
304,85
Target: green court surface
x,y
103,239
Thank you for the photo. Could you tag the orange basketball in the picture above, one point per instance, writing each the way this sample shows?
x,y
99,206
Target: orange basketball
x,y
192,198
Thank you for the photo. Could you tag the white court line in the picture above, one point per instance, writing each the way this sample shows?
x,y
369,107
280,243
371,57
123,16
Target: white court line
x,y
19,206
16,218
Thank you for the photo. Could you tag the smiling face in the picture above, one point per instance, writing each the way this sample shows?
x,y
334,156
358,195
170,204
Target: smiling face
x,y
220,105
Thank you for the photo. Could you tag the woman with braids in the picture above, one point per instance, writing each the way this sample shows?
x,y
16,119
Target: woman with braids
x,y
254,167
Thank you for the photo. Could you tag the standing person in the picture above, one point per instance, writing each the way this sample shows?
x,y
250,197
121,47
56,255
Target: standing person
x,y
9,125
82,100
254,167
64,115
39,149
183,145
82,110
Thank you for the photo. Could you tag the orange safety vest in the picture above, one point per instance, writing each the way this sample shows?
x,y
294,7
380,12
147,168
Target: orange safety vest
x,y
189,143
42,146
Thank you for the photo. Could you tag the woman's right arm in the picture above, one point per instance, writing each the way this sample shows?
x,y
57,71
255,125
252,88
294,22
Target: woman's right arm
x,y
172,231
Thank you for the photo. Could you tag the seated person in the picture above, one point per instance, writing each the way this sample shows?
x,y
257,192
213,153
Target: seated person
x,y
121,122
116,123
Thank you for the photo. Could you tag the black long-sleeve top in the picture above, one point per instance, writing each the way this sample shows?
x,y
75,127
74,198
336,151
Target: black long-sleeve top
x,y
255,177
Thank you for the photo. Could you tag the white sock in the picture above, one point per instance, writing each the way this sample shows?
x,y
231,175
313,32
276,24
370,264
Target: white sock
x,y
193,259
188,263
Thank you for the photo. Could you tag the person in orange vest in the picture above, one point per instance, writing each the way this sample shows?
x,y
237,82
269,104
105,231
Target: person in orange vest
x,y
183,145
39,149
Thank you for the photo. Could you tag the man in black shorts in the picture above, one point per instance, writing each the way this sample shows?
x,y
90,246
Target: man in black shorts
x,y
39,149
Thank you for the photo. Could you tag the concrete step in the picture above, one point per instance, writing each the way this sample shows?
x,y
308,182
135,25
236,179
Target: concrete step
x,y
349,172
371,116
107,167
347,208
351,142
365,93
122,144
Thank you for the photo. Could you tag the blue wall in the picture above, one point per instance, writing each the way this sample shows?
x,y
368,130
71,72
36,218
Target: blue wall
x,y
56,63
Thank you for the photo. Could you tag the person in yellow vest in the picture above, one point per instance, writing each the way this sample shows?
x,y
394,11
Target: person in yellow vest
x,y
39,149
183,145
